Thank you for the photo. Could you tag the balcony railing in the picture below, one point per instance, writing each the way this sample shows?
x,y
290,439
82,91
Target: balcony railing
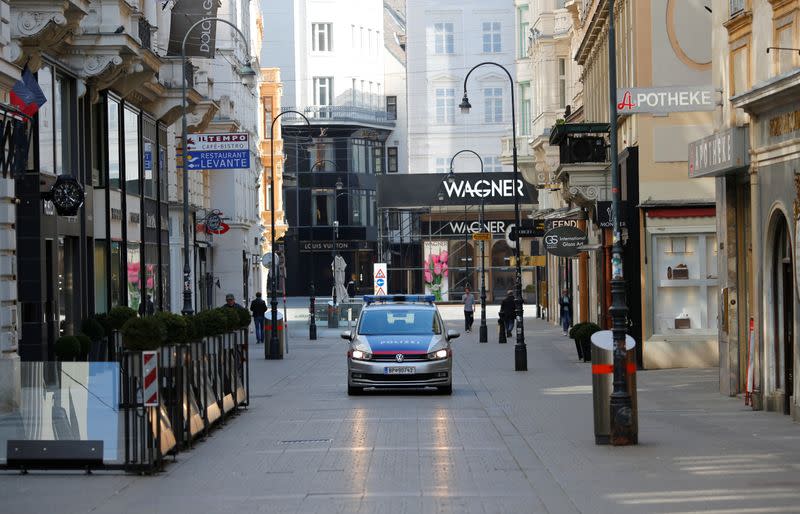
x,y
343,113
145,34
736,6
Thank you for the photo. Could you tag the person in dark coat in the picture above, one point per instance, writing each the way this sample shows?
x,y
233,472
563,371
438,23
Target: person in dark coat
x,y
565,306
147,308
258,307
508,312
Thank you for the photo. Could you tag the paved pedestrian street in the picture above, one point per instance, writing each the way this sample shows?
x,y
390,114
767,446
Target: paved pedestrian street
x,y
506,441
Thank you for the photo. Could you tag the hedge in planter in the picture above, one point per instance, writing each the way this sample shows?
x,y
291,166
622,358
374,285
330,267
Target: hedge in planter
x,y
582,333
119,316
244,317
67,348
211,323
143,334
86,343
174,325
93,329
194,330
104,321
231,318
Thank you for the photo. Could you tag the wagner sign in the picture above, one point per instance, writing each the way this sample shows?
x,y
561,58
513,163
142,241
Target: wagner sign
x,y
460,228
201,42
424,189
661,100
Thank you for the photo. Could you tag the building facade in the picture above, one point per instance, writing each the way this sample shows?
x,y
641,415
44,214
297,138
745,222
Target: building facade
x,y
757,134
113,97
331,59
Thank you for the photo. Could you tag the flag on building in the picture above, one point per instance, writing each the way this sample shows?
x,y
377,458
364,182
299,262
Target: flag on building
x,y
26,95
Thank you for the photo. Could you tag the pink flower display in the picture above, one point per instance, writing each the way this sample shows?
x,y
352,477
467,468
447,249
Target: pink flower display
x,y
435,271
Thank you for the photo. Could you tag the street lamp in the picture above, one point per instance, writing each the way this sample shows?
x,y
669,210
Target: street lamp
x,y
248,75
312,327
520,350
483,336
273,351
623,431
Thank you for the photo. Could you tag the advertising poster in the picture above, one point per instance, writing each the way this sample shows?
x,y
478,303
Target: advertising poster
x,y
435,269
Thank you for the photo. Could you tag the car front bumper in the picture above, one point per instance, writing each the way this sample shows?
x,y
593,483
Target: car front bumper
x,y
426,373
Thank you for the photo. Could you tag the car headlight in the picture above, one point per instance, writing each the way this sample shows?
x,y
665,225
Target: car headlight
x,y
439,354
360,355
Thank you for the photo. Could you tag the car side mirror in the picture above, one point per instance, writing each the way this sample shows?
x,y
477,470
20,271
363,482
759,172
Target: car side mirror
x,y
347,335
452,334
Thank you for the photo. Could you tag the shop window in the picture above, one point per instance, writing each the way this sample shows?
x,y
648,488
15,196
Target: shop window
x,y
116,275
151,285
163,176
685,292
134,266
323,156
56,123
132,156
100,276
322,207
113,144
98,148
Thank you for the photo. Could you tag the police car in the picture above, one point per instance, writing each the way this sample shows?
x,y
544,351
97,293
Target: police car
x,y
399,341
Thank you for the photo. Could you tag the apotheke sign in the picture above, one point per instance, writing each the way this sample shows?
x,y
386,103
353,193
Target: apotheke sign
x,y
719,153
662,100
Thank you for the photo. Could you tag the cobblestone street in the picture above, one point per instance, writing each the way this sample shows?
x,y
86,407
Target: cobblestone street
x,y
504,442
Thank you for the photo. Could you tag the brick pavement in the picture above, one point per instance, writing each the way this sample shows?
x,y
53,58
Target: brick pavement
x,y
504,442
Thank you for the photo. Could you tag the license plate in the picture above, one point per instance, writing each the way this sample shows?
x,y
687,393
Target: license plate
x,y
399,370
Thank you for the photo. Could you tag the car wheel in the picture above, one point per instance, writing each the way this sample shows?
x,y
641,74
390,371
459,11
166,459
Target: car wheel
x,y
448,389
354,391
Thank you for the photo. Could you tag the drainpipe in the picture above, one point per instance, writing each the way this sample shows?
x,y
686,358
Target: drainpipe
x,y
758,286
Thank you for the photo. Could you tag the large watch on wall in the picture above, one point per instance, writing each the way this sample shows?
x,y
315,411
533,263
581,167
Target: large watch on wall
x,y
67,195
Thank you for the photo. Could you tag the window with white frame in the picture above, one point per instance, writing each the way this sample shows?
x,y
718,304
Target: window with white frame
x,y
522,44
323,90
525,108
441,165
444,39
322,37
445,105
493,105
562,82
492,163
491,37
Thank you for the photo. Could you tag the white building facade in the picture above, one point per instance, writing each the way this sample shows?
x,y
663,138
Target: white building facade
x,y
445,40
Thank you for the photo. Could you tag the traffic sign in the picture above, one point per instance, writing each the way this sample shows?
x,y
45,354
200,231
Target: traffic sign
x,y
228,151
482,236
380,278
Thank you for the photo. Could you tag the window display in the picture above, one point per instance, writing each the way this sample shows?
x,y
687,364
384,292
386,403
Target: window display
x,y
686,290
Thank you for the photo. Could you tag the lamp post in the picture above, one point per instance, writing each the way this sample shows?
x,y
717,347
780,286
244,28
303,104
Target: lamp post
x,y
623,431
520,349
312,327
248,76
273,351
483,336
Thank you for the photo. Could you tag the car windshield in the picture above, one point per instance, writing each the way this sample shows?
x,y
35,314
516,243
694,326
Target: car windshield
x,y
399,322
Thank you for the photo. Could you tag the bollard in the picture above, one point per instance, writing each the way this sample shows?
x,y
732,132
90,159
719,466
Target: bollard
x,y
501,339
602,382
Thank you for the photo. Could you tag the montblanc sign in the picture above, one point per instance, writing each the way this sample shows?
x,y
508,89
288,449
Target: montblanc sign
x,y
406,190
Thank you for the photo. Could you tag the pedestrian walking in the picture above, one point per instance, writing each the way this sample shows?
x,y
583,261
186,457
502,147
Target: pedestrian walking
x,y
565,305
469,309
508,312
258,308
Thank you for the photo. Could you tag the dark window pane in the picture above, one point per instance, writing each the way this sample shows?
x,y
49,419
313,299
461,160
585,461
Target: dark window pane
x,y
131,126
113,144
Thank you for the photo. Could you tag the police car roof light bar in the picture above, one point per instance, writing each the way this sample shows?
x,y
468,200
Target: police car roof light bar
x,y
418,298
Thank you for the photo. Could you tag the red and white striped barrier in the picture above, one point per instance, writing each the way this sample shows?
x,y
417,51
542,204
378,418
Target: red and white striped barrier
x,y
150,383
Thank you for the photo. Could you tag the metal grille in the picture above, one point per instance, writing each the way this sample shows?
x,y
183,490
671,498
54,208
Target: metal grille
x,y
15,140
